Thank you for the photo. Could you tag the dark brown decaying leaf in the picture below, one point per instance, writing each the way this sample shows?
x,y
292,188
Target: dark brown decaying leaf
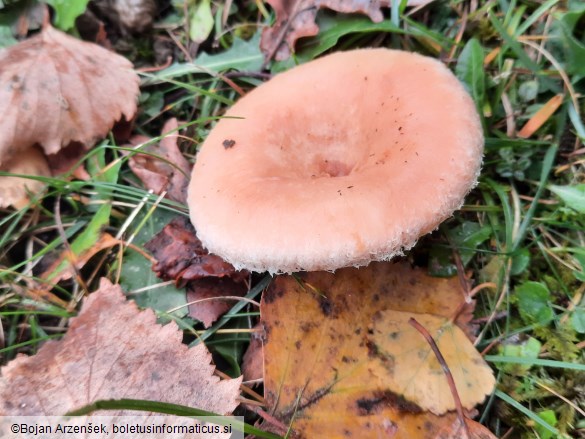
x,y
296,19
112,351
55,89
180,256
212,288
171,175
128,16
14,190
65,160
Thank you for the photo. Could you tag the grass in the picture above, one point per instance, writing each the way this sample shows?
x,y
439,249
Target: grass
x,y
522,229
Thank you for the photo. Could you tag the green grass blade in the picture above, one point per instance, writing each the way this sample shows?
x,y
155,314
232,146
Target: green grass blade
x,y
168,409
506,398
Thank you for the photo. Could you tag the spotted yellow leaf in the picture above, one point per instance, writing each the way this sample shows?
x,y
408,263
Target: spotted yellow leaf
x,y
416,373
322,377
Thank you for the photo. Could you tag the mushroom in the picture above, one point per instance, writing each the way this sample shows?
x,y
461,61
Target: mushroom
x,y
343,160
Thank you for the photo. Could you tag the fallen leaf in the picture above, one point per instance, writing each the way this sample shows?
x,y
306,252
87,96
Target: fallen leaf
x,y
127,16
208,293
296,19
163,167
14,190
68,157
253,362
66,265
416,374
475,429
322,374
113,351
180,256
55,89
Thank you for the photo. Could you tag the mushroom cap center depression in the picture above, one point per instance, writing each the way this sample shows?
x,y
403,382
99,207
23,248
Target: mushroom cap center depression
x,y
336,162
304,137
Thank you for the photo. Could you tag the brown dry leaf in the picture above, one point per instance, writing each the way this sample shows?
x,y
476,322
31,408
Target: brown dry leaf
x,y
112,351
321,372
296,19
14,190
55,89
171,175
180,256
416,373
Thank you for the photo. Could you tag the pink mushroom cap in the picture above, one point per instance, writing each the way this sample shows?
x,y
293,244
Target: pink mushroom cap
x,y
338,162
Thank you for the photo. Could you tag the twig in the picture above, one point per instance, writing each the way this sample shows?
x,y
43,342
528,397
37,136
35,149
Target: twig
x,y
469,299
499,315
156,68
232,84
206,299
480,287
259,75
459,33
558,395
259,399
279,426
446,370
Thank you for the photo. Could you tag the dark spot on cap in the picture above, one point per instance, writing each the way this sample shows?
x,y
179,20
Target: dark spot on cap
x,y
228,143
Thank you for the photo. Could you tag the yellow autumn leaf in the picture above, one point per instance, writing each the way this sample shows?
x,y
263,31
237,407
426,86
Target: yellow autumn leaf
x,y
322,376
416,373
